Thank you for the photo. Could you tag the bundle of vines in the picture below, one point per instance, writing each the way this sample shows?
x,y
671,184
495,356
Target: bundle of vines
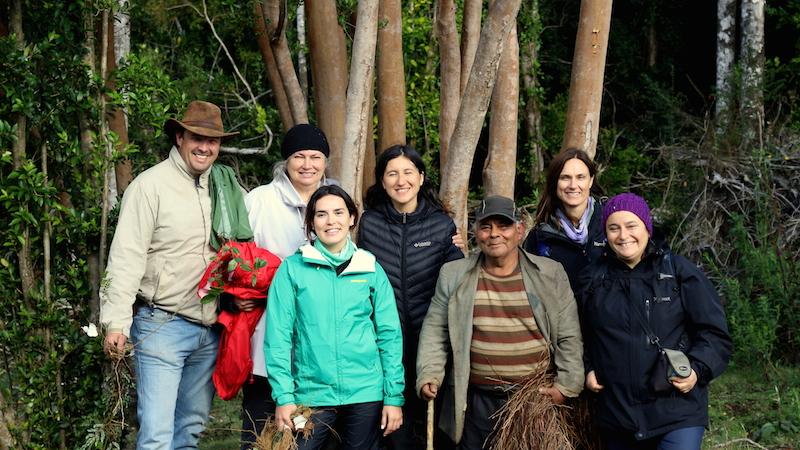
x,y
273,437
530,420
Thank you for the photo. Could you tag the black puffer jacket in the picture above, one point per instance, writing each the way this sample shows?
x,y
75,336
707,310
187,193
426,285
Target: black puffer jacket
x,y
547,240
684,312
411,248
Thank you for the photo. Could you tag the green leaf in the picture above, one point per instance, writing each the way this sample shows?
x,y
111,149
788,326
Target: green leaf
x,y
259,263
253,280
232,265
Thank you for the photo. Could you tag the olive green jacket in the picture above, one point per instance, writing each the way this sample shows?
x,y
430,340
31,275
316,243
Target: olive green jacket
x,y
448,328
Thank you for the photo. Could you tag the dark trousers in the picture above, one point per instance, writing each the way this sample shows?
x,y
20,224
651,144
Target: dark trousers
x,y
689,438
478,422
357,425
257,407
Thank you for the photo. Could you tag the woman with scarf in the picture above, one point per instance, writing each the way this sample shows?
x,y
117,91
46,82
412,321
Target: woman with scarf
x,y
567,223
333,340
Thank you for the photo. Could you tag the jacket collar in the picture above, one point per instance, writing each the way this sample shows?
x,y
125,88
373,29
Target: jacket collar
x,y
183,169
393,216
362,261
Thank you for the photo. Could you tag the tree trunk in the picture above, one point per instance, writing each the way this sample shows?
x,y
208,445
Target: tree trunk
x,y
359,98
501,163
726,42
118,122
449,74
391,77
302,64
470,33
586,85
329,75
274,77
530,86
752,63
455,180
283,60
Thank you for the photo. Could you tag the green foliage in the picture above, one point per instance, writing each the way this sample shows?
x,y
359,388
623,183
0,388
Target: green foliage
x,y
755,403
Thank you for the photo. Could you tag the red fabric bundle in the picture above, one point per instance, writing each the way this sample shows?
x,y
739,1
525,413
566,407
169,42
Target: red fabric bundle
x,y
244,271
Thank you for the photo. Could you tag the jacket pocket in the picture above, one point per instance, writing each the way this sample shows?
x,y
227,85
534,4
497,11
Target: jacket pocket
x,y
148,286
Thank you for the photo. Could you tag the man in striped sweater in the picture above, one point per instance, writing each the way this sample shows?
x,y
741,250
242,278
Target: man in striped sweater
x,y
499,312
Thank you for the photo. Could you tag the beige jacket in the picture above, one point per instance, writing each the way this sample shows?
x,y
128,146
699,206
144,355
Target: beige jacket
x,y
448,328
161,246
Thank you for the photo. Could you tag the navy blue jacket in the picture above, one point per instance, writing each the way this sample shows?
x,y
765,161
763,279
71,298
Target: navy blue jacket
x,y
411,248
682,308
547,240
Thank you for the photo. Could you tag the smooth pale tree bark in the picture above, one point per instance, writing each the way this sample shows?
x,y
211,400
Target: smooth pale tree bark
x,y
470,33
118,122
283,60
274,77
586,84
726,57
391,76
371,151
752,63
501,163
455,176
359,99
302,65
533,111
329,75
449,74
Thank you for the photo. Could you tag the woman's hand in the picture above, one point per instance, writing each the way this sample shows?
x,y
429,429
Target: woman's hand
x,y
283,416
591,382
391,419
684,385
458,241
245,304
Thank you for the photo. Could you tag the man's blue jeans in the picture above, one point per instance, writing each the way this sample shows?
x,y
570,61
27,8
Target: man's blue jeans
x,y
174,361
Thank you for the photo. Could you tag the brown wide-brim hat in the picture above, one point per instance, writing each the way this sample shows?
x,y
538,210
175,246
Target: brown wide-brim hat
x,y
201,118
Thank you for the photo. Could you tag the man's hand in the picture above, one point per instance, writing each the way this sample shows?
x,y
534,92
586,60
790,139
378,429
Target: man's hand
x,y
391,419
556,395
591,382
283,416
684,385
429,391
114,344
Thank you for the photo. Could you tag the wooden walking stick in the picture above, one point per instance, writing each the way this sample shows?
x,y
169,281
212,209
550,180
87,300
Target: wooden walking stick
x,y
430,425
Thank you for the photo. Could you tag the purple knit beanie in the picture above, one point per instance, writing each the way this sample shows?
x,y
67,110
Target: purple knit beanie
x,y
631,203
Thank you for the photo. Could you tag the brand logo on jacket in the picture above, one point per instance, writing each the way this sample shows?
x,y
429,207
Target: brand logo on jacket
x,y
422,244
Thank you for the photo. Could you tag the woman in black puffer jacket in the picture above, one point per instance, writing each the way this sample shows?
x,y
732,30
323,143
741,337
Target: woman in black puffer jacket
x,y
408,231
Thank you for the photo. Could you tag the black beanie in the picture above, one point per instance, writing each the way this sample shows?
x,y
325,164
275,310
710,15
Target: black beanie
x,y
304,136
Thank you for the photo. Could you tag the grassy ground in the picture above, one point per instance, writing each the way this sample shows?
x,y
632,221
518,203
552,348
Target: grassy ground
x,y
749,409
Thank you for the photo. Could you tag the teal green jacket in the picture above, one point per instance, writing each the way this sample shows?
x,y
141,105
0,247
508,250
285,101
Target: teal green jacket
x,y
333,339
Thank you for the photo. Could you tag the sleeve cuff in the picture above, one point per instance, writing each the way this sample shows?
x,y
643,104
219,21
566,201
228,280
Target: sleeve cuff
x,y
285,399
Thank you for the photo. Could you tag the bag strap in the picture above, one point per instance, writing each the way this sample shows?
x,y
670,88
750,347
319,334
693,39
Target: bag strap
x,y
651,337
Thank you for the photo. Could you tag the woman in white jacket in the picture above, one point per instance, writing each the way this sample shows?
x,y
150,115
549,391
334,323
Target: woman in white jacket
x,y
277,212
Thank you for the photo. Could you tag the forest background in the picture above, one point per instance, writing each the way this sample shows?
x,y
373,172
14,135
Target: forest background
x,y
695,116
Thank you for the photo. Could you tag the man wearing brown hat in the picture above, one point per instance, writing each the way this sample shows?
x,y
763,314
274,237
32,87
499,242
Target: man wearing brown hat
x,y
160,251
503,315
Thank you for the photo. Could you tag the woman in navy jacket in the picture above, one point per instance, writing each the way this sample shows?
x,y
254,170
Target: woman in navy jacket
x,y
408,231
567,224
637,292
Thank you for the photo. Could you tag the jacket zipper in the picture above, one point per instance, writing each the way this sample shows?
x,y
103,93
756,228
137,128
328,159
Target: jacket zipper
x,y
403,301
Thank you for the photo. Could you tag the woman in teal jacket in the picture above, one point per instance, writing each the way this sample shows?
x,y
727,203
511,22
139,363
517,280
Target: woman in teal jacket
x,y
333,340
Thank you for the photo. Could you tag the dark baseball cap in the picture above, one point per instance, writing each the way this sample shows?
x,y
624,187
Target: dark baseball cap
x,y
496,205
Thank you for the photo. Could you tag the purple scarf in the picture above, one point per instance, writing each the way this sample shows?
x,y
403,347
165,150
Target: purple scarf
x,y
577,234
